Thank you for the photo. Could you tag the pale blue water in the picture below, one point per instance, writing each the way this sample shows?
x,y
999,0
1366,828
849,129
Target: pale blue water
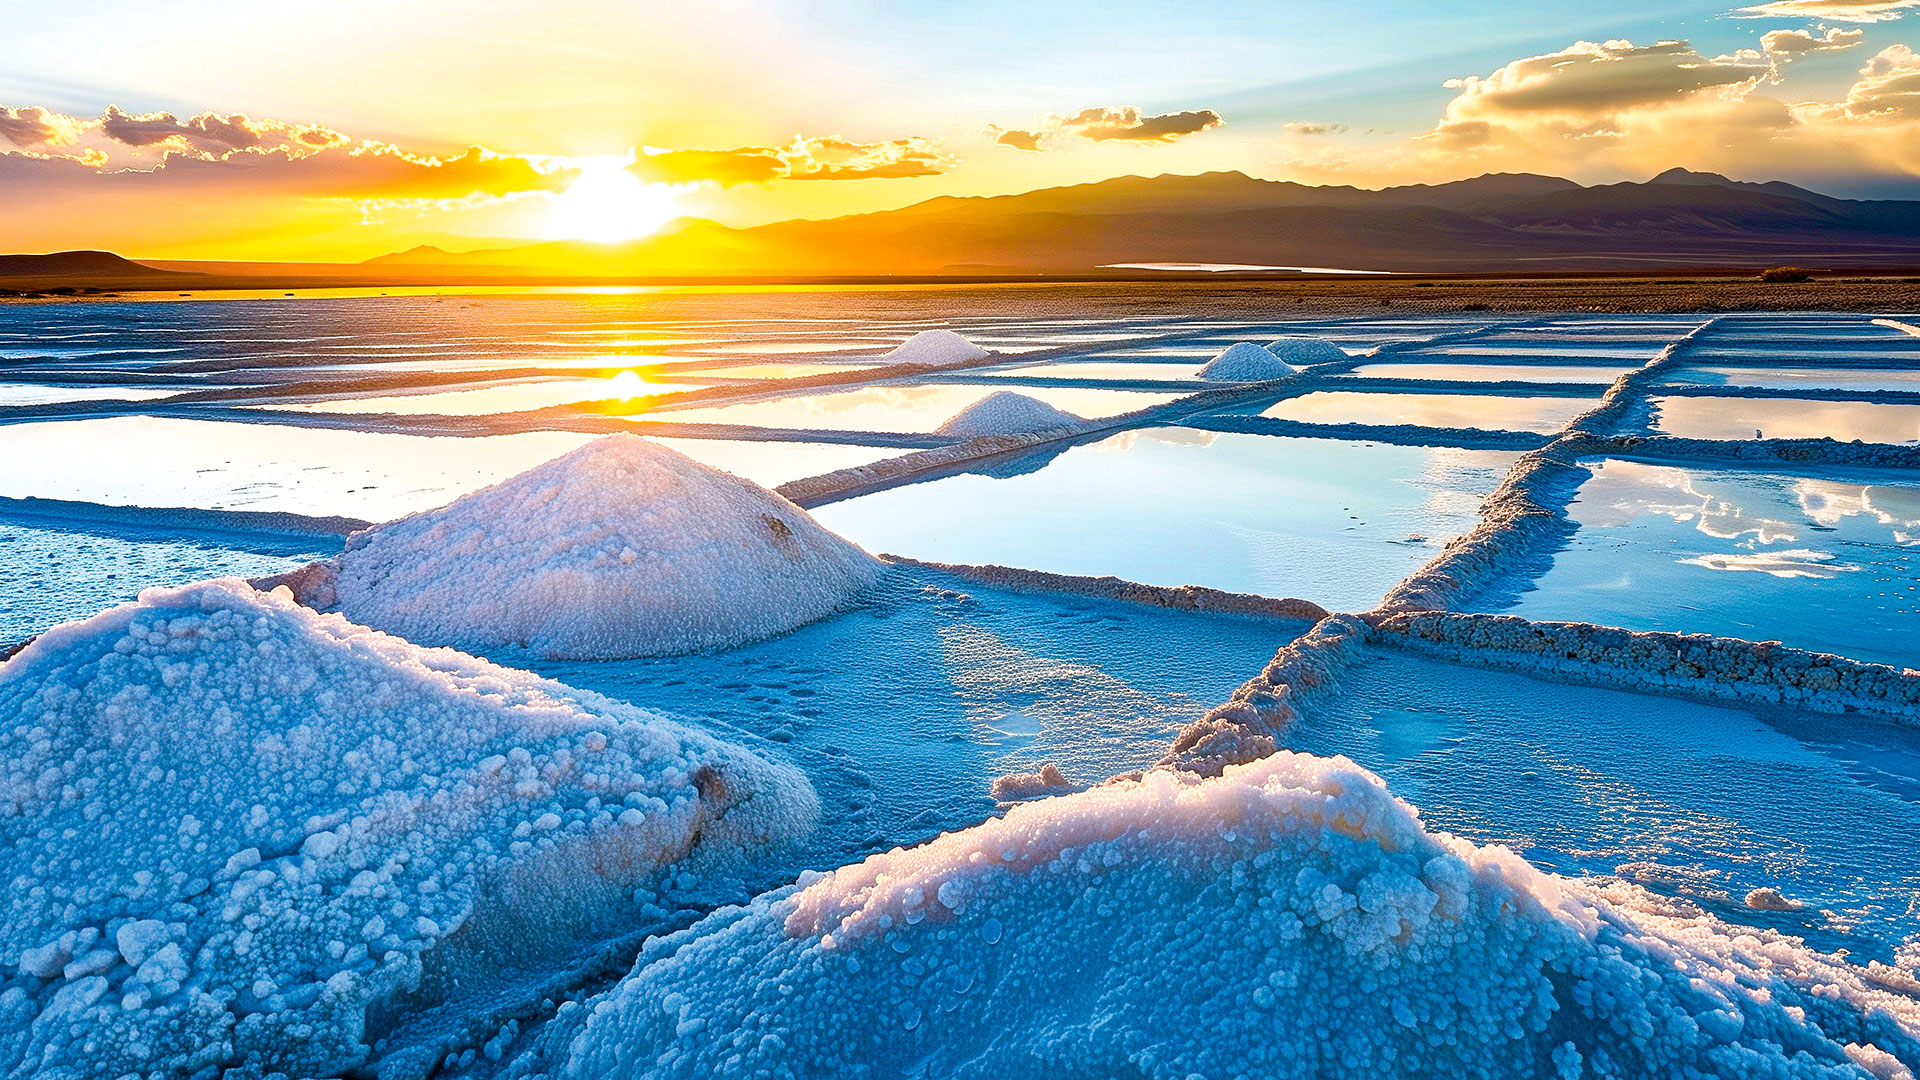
x,y
1818,562
1334,522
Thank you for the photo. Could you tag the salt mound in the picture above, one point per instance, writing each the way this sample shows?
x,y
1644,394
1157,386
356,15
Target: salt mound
x,y
622,548
1004,412
233,825
1287,919
1301,352
1245,362
936,348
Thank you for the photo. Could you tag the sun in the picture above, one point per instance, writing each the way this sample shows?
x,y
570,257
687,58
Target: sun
x,y
607,204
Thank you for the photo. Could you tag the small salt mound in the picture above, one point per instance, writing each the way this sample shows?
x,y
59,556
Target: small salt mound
x,y
1303,352
1287,919
936,348
1004,412
1245,362
1014,787
233,826
622,548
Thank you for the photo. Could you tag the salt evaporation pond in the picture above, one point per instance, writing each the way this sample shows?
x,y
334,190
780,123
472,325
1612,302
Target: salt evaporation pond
x,y
1505,372
1785,418
369,475
1491,412
899,407
1824,563
1794,378
1707,802
1333,522
500,399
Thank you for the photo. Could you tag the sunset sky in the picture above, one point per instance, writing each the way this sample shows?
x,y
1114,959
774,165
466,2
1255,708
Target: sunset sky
x,y
177,129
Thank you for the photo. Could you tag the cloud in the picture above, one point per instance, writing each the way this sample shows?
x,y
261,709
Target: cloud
x,y
35,126
1857,11
1101,123
1616,110
834,157
743,165
1300,127
1019,140
1787,44
1888,89
213,135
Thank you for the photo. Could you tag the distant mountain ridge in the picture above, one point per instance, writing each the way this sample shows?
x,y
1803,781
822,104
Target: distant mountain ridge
x,y
77,264
1497,222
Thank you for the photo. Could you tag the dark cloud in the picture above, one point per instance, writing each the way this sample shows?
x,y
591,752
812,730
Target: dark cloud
x,y
1127,122
35,126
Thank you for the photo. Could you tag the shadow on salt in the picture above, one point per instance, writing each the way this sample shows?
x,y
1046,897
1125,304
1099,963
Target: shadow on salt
x,y
905,708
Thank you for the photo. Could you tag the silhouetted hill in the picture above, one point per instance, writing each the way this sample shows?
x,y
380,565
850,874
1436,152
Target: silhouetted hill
x,y
77,264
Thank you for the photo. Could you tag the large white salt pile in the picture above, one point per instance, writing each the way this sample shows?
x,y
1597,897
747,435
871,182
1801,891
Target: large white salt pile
x,y
1004,412
232,825
936,348
1302,352
1287,919
1245,362
622,548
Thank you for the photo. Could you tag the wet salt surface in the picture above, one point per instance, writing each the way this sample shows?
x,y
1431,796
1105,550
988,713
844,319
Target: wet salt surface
x,y
1827,563
905,708
1705,802
1334,522
1785,418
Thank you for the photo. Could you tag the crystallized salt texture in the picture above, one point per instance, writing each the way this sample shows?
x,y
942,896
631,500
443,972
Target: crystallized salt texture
x,y
1288,918
1004,412
936,348
622,548
1245,362
232,826
1301,352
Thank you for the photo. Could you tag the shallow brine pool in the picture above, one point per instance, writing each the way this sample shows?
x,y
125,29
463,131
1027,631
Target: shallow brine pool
x,y
901,407
1334,522
1821,563
1488,412
1785,418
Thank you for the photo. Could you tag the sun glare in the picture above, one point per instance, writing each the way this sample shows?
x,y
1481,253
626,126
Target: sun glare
x,y
607,204
627,385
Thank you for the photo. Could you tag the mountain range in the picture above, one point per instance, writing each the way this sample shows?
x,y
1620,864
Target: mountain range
x,y
1499,222
1502,223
